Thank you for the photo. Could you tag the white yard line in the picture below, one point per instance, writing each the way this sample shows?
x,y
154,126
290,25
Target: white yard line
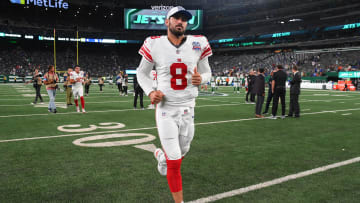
x,y
148,128
104,102
243,190
113,110
121,110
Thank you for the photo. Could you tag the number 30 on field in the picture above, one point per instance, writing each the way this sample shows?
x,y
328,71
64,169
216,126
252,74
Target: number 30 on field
x,y
111,125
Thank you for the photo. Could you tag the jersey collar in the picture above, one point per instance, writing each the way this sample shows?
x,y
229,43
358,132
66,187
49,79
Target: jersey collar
x,y
178,46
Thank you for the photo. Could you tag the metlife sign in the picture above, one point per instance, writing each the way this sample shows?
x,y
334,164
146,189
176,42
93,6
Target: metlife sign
x,y
60,4
153,19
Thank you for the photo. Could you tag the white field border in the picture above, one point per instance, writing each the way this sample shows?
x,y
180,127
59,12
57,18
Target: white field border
x,y
243,190
122,110
150,128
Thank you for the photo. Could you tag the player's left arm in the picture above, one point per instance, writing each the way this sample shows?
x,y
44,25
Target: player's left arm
x,y
203,66
204,70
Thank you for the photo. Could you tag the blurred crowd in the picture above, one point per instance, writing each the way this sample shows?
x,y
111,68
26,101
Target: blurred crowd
x,y
106,61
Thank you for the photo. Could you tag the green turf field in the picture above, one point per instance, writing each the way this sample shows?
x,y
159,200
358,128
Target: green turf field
x,y
231,149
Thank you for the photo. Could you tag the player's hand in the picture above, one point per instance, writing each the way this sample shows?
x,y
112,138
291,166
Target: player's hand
x,y
156,96
196,77
78,79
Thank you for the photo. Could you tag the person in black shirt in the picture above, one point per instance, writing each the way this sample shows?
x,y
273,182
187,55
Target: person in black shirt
x,y
279,91
270,94
259,90
138,92
294,93
251,80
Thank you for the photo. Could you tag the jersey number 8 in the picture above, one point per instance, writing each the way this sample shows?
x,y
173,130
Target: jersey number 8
x,y
178,72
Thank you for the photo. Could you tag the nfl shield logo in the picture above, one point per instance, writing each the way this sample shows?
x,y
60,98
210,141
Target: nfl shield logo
x,y
196,46
163,114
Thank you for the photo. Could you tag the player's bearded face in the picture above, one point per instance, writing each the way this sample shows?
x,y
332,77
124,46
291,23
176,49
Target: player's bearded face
x,y
177,26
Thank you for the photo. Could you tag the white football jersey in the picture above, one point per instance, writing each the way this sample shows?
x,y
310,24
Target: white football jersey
x,y
175,65
74,75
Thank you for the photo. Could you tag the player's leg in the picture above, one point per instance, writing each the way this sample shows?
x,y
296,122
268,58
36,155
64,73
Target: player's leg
x,y
186,130
76,99
81,95
169,137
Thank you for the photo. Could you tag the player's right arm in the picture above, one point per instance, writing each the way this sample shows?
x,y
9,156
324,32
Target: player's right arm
x,y
146,82
144,70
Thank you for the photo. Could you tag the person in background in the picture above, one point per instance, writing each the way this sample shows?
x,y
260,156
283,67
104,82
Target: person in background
x,y
250,81
252,93
270,94
279,90
294,93
119,83
101,83
138,92
125,82
37,83
50,80
259,90
68,87
87,84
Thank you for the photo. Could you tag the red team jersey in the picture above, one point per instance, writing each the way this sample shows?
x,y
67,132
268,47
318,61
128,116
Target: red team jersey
x,y
175,65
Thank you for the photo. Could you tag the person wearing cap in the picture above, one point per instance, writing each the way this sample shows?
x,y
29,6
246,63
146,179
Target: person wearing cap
x,y
181,63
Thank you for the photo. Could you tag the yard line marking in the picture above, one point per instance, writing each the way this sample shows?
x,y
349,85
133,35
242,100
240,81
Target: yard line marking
x,y
306,110
86,102
113,110
150,128
346,114
275,181
121,110
207,99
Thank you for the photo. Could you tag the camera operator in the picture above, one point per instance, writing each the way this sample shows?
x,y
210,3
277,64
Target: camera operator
x,y
87,84
37,83
50,80
68,87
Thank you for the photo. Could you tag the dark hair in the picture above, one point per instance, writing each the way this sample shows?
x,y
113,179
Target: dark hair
x,y
77,66
261,70
50,67
280,67
295,68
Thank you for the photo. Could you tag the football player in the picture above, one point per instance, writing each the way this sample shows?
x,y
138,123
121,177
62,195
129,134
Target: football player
x,y
181,63
77,79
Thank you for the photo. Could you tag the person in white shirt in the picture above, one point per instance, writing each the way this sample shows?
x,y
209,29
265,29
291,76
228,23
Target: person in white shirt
x,y
181,64
77,79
